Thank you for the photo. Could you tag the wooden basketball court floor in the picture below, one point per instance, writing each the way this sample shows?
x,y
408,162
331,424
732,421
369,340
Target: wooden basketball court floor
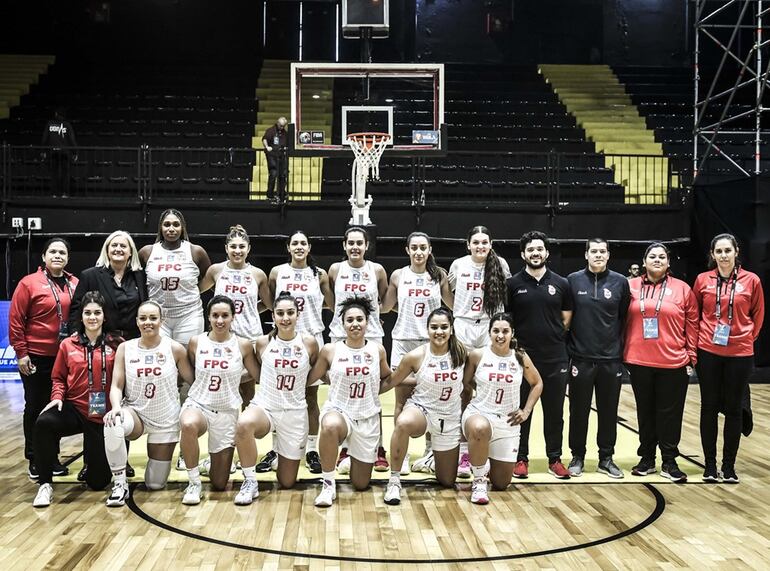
x,y
588,523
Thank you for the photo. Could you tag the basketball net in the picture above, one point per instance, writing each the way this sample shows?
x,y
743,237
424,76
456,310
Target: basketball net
x,y
367,148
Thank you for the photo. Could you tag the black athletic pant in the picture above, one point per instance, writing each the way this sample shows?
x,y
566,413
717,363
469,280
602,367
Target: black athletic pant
x,y
37,394
660,396
554,377
278,169
60,172
585,377
52,425
723,382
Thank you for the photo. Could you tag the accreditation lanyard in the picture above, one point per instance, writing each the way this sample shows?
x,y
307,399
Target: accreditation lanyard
x,y
722,330
97,400
650,324
55,293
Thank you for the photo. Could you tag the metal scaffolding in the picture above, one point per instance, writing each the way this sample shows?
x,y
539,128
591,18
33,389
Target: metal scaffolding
x,y
731,52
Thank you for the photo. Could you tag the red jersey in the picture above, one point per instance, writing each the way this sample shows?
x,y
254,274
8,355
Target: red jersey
x,y
33,321
70,374
677,339
748,311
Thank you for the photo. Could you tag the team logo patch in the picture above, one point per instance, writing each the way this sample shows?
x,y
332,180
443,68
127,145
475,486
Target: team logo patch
x,y
420,281
477,275
228,352
161,359
607,294
356,359
286,351
444,365
298,351
297,277
171,257
551,289
247,280
739,287
365,276
574,371
669,291
148,359
236,278
502,366
356,277
217,352
368,359
108,350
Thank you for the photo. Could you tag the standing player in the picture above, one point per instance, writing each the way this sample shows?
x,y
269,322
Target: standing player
x,y
600,297
309,285
145,400
491,421
541,305
415,291
357,371
173,266
285,357
355,276
478,281
220,357
245,284
434,406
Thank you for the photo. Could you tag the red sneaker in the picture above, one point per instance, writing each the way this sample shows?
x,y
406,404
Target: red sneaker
x,y
558,471
521,470
381,463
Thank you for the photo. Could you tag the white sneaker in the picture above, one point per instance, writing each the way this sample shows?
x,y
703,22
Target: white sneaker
x,y
248,493
344,466
405,466
233,467
464,467
180,465
44,496
327,496
393,493
479,491
118,495
426,464
192,494
205,467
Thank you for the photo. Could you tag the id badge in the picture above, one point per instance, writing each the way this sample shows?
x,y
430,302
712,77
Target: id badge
x,y
276,140
97,403
721,334
650,327
64,330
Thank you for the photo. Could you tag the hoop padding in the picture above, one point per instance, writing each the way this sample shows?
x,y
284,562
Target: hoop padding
x,y
367,148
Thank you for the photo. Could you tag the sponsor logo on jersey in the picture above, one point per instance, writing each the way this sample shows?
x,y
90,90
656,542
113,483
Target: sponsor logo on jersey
x,y
607,294
574,371
203,351
465,275
523,290
582,292
486,365
551,289
407,282
134,361
148,359
343,360
274,350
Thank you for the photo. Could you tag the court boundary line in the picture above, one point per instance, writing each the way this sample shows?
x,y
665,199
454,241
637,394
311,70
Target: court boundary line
x,y
660,507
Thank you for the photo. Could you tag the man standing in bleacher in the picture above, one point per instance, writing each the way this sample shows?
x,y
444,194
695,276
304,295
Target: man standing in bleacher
x,y
274,141
59,137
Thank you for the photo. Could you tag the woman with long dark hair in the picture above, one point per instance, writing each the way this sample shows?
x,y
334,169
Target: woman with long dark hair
x,y
732,310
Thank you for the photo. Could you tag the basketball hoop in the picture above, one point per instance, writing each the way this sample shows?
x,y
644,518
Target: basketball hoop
x,y
367,148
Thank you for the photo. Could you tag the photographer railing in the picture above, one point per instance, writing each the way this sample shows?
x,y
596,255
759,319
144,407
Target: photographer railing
x,y
145,174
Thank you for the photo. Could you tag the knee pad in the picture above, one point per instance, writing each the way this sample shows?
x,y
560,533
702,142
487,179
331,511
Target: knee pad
x,y
156,474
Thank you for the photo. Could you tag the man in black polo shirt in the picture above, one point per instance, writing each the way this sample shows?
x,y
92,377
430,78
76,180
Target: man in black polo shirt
x,y
541,306
274,142
600,299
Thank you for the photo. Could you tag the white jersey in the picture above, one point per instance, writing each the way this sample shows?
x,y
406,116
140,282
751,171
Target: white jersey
x,y
361,282
439,385
283,378
498,383
305,286
418,295
218,368
241,287
151,383
354,380
172,280
467,280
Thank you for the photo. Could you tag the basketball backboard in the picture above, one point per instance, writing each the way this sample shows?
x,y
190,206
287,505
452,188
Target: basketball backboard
x,y
331,100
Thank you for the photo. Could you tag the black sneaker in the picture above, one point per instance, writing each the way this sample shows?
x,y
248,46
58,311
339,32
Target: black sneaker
x,y
608,467
671,471
130,472
266,463
82,473
32,472
710,474
728,475
747,422
644,467
60,469
313,462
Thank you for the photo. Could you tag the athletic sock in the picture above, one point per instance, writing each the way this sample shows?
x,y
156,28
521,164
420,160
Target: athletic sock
x,y
463,448
395,476
119,477
328,476
312,443
479,471
249,473
194,474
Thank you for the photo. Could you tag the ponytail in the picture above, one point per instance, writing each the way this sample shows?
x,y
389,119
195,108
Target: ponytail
x,y
494,284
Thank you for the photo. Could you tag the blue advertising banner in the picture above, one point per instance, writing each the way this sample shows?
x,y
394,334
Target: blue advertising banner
x,y
8,368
